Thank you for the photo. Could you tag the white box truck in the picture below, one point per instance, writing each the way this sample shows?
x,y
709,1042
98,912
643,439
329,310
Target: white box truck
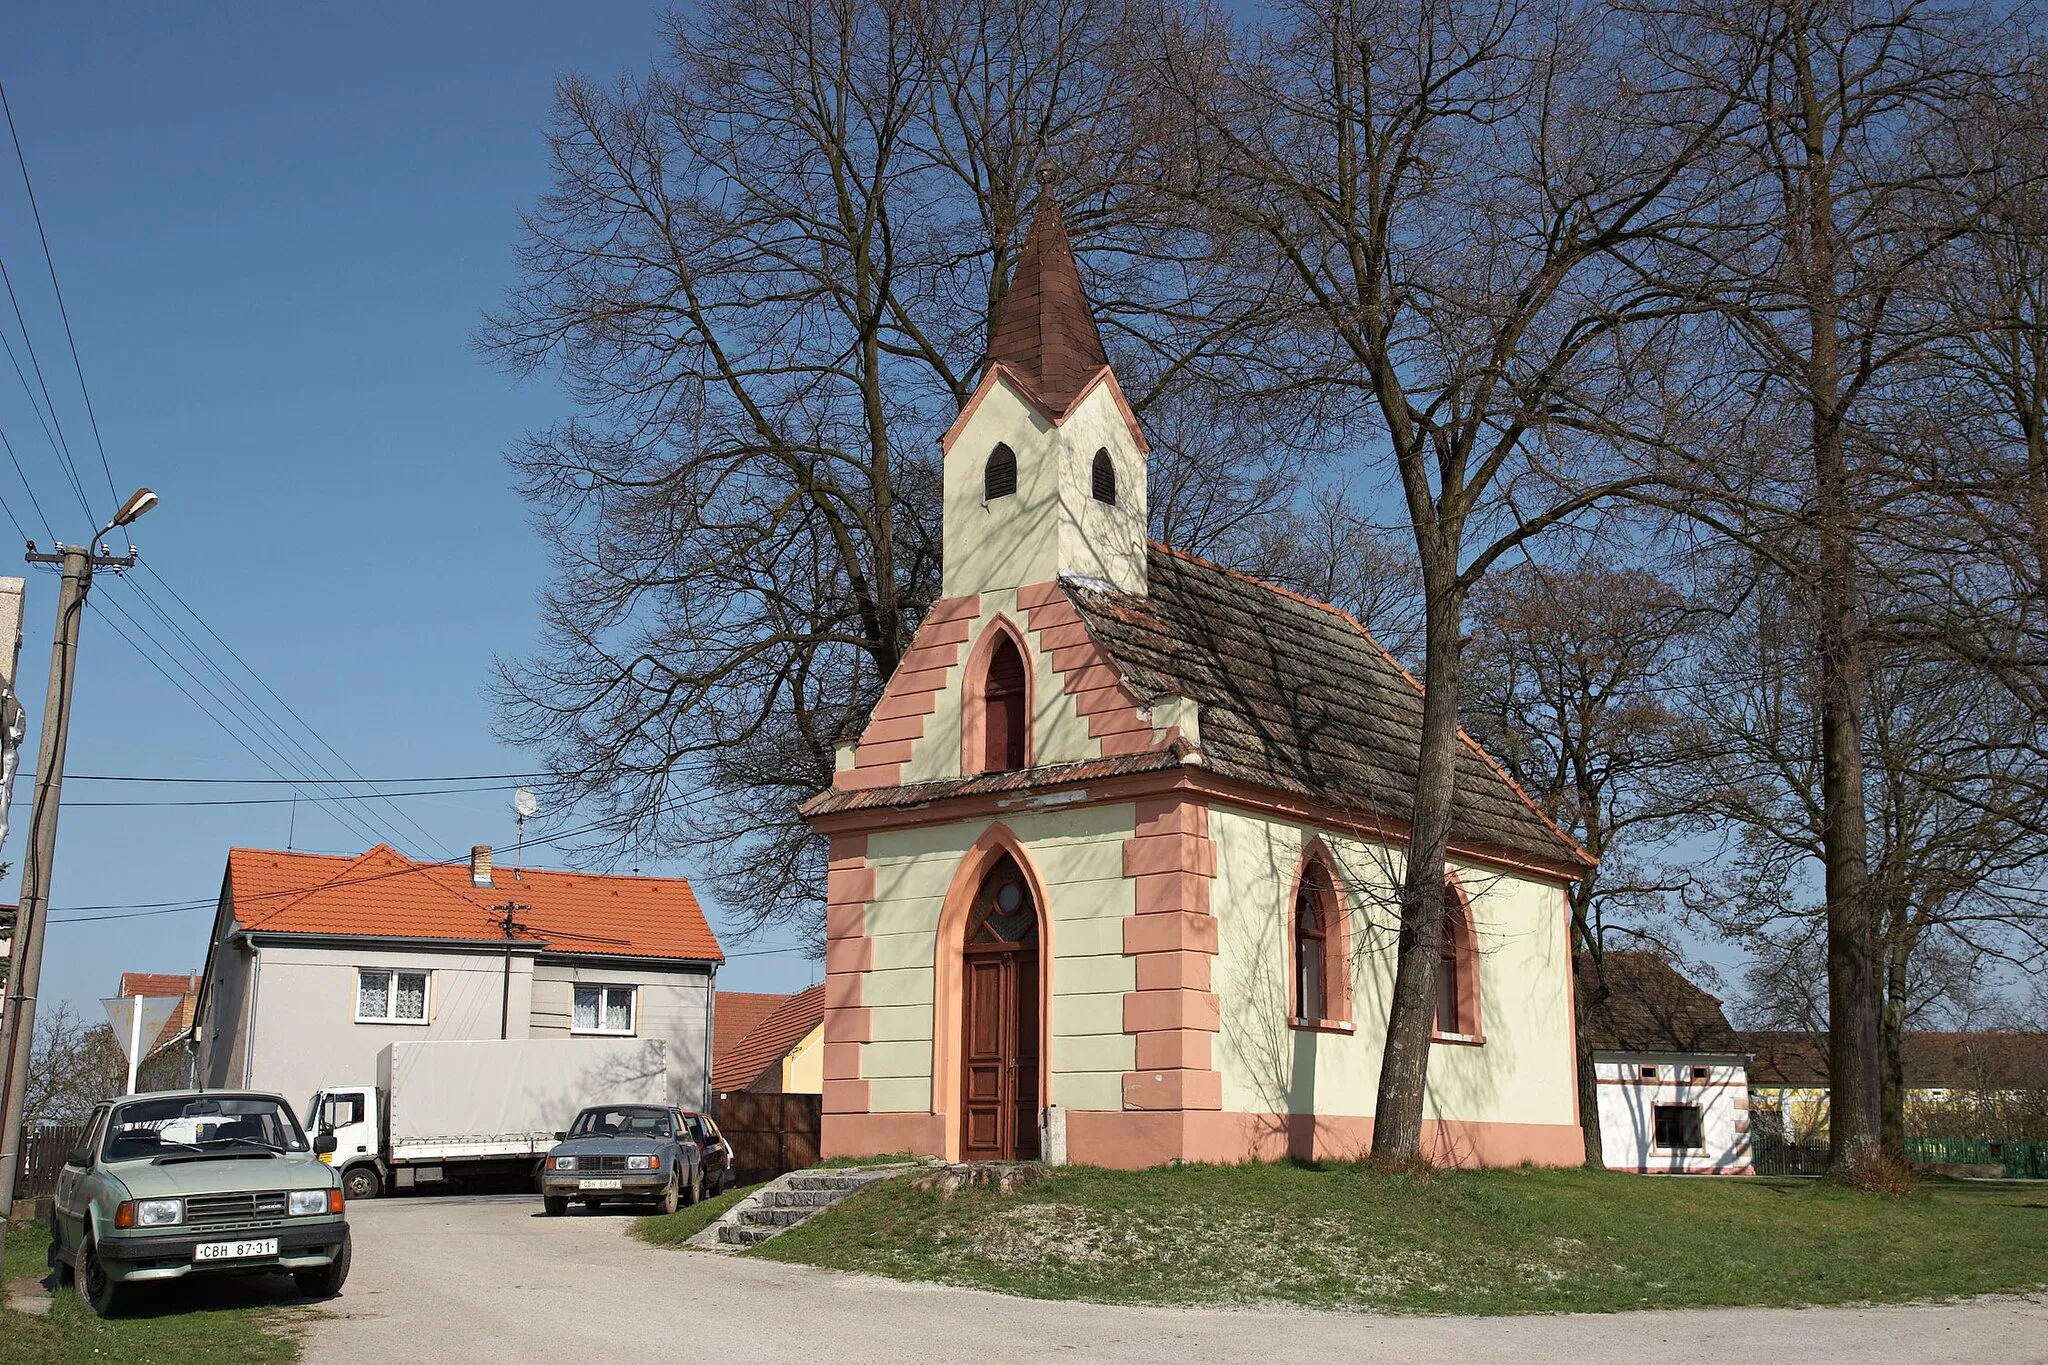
x,y
444,1110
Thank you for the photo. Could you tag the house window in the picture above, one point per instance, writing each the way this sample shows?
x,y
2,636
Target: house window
x,y
1679,1127
999,479
386,997
1103,476
1003,718
603,1009
1457,977
1700,1073
1646,1073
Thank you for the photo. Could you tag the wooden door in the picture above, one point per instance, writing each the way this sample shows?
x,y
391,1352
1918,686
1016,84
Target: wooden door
x,y
999,1022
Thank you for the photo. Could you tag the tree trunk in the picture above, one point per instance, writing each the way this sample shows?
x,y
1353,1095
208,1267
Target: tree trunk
x,y
1852,974
1585,1001
1411,1017
1892,1098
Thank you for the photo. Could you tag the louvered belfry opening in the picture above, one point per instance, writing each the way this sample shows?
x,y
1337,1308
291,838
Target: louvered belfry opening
x,y
999,480
1104,477
1003,709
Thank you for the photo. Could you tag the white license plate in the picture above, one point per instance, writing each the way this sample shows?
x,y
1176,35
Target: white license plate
x,y
598,1185
234,1251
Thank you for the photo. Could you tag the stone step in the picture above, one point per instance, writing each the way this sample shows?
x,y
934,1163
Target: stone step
x,y
789,1199
735,1234
779,1218
820,1180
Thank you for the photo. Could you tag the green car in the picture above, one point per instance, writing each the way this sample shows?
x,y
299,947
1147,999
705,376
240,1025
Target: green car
x,y
192,1182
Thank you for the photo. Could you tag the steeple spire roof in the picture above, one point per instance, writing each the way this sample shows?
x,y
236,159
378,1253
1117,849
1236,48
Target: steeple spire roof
x,y
1045,331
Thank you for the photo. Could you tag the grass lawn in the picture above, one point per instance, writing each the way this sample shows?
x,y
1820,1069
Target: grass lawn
x,y
674,1229
221,1323
1506,1241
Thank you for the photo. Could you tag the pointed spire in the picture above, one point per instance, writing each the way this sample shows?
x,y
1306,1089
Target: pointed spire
x,y
1045,330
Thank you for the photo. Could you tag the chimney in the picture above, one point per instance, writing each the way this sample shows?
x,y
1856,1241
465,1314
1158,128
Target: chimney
x,y
480,866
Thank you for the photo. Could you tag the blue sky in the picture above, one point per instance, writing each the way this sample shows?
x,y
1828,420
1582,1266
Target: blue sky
x,y
275,227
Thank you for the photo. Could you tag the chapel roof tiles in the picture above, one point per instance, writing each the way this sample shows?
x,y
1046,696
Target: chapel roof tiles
x,y
384,894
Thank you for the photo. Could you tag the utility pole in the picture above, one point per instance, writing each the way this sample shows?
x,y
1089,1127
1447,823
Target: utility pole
x,y
512,928
18,1026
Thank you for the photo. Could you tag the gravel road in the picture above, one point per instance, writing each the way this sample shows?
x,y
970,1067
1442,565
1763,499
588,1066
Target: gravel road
x,y
487,1279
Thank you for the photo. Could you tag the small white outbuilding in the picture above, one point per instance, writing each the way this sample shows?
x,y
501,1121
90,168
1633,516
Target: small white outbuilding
x,y
1672,1075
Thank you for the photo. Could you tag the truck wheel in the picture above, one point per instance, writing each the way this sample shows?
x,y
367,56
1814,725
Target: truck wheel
x,y
554,1205
361,1182
327,1281
101,1294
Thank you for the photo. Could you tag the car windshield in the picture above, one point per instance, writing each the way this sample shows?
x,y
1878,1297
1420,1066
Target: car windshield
x,y
201,1123
622,1121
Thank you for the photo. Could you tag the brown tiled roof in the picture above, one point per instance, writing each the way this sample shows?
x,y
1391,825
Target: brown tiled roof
x,y
735,1014
1295,695
384,893
1045,331
1651,1007
160,985
1931,1060
769,1041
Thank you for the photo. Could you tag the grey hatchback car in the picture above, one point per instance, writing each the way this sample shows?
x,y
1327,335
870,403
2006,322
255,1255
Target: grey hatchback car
x,y
623,1151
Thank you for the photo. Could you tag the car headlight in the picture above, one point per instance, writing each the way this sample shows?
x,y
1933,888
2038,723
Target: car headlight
x,y
159,1213
308,1201
643,1163
562,1163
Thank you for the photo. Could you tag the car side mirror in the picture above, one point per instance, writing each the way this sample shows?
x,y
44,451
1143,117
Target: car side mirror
x,y
562,1136
78,1156
324,1143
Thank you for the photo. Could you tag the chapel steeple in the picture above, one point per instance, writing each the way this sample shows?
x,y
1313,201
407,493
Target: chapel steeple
x,y
1044,330
1045,468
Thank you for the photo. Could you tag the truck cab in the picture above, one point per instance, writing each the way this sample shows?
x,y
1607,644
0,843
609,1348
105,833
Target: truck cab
x,y
353,1115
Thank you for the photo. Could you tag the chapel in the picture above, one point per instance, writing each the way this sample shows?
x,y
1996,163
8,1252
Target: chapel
x,y
1115,859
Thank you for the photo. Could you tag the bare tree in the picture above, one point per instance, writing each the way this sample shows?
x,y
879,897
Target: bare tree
x,y
1575,682
766,272
73,1066
1451,192
1827,222
1950,792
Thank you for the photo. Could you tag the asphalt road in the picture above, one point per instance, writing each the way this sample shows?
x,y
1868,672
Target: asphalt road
x,y
487,1279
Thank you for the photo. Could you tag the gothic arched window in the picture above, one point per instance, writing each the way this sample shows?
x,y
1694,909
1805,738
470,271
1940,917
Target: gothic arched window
x,y
999,480
1003,713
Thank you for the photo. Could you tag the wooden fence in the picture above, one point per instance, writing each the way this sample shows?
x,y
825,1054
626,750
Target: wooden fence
x,y
42,1156
770,1134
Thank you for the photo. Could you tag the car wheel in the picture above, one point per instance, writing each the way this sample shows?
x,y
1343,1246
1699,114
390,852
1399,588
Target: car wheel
x,y
327,1281
98,1288
667,1202
554,1205
696,1185
361,1182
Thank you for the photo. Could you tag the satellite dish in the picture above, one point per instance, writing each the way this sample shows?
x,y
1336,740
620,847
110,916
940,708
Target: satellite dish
x,y
524,803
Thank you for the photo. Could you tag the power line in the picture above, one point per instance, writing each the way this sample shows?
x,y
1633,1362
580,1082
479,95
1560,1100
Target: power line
x,y
57,441
284,800
294,781
62,312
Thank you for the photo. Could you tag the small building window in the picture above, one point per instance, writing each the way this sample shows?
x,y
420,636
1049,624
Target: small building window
x,y
999,480
1679,1127
603,1009
1700,1073
388,997
1104,477
1003,718
1646,1073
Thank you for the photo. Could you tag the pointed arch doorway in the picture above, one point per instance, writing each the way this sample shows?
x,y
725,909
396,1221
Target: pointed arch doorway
x,y
999,1024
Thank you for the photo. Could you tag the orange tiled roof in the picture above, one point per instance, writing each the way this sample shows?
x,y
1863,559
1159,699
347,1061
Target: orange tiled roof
x,y
769,1041
158,985
735,1015
384,893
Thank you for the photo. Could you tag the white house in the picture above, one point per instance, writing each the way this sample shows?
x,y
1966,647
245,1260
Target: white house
x,y
1673,1076
318,963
